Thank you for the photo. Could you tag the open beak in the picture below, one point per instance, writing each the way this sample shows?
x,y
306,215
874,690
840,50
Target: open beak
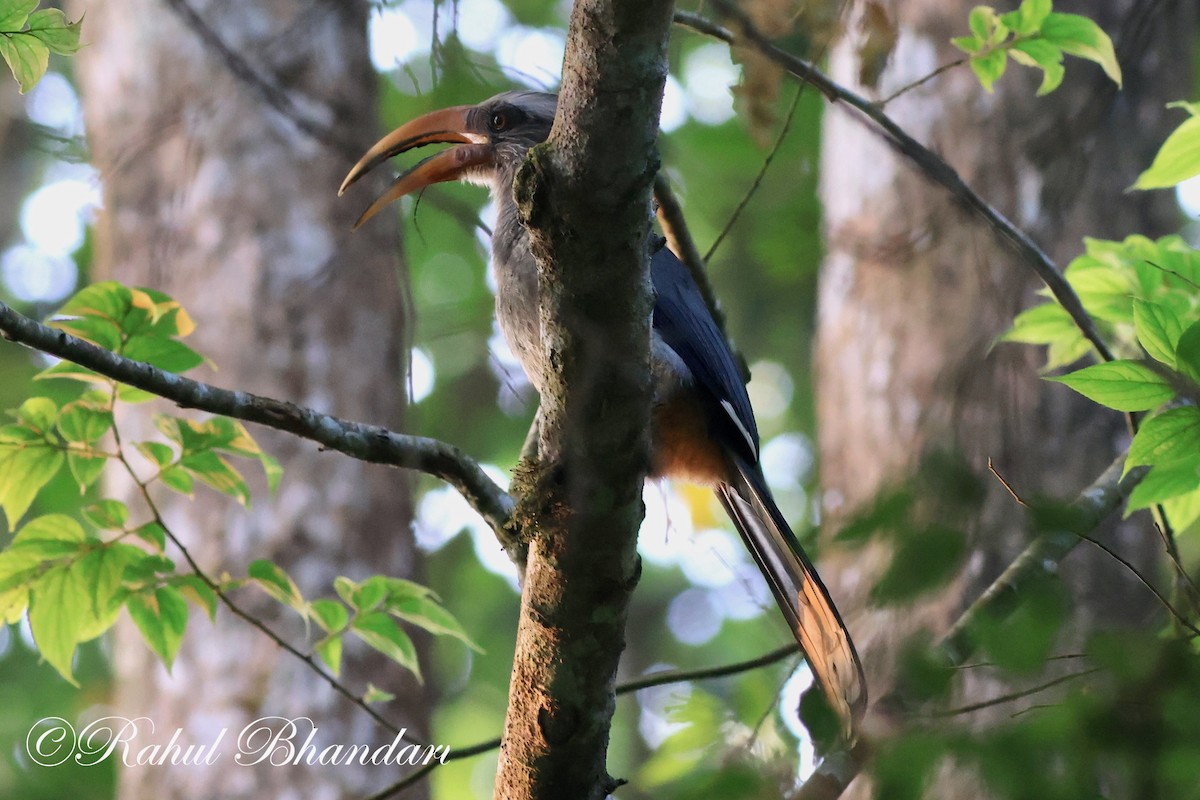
x,y
450,125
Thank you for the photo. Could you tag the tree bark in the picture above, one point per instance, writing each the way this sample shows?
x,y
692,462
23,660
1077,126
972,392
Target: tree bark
x,y
230,208
914,292
585,197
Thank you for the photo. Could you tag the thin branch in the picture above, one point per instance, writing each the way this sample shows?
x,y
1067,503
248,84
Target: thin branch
x,y
1142,579
370,443
1008,698
657,679
758,179
929,163
1042,556
921,81
681,676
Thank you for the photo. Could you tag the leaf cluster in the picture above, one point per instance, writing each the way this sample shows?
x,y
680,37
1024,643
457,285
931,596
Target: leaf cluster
x,y
72,577
1034,36
28,35
1145,297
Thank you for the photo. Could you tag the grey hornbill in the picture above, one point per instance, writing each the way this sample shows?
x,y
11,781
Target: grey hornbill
x,y
703,426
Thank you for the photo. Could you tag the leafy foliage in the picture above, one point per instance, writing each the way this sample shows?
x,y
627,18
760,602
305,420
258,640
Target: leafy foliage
x,y
1034,36
28,35
1145,297
72,578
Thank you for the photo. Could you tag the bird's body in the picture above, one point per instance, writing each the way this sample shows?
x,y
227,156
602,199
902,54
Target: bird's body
x,y
703,427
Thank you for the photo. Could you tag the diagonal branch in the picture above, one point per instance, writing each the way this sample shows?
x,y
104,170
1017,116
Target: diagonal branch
x,y
929,163
370,443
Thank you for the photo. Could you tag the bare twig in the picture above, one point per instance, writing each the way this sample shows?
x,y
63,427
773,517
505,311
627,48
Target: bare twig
x,y
1008,698
1179,618
758,179
929,163
921,81
370,443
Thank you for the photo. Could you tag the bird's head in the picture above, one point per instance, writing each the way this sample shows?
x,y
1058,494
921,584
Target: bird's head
x,y
491,140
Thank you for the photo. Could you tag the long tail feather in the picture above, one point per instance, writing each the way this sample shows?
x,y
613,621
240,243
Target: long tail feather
x,y
798,590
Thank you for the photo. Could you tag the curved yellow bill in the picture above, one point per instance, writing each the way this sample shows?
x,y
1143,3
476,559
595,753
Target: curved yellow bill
x,y
445,166
450,125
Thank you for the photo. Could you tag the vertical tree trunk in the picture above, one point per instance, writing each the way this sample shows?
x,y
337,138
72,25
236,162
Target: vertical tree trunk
x,y
914,292
225,205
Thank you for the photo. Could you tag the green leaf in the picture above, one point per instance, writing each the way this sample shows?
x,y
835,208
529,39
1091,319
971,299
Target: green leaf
x,y
376,695
1177,160
107,514
989,68
1122,385
38,413
1184,510
177,479
1082,37
14,13
149,569
193,587
1170,436
59,614
982,20
1041,325
54,30
161,616
23,473
922,561
1047,57
65,369
1158,329
1022,641
81,422
58,527
329,650
381,633
108,299
330,614
152,533
157,452
1030,16
102,571
85,469
888,512
209,468
18,435
169,355
100,331
271,578
372,593
1187,353
431,616
968,44
1163,482
27,57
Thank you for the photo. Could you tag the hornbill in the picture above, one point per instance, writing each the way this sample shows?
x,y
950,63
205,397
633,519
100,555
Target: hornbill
x,y
703,428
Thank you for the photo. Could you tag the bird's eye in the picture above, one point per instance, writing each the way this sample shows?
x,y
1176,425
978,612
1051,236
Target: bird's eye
x,y
499,121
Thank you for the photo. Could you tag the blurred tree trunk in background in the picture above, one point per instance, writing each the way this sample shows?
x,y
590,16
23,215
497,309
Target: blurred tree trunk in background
x,y
224,204
14,159
914,292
